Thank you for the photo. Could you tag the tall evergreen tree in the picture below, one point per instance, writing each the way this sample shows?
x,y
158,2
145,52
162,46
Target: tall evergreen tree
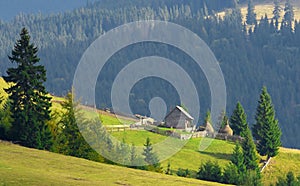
x,y
231,175
266,129
251,15
70,141
238,159
236,170
207,117
151,158
276,12
238,121
288,17
224,121
30,104
249,151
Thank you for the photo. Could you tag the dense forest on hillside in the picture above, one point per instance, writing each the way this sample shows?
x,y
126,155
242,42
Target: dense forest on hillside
x,y
250,56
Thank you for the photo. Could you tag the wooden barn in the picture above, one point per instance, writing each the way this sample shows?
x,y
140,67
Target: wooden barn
x,y
180,119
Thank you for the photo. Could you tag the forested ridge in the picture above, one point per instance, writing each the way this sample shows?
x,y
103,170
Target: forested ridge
x,y
265,55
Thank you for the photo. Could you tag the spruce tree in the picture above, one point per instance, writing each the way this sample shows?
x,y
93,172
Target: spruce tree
x,y
238,121
151,158
266,129
70,141
249,151
238,160
210,171
224,121
288,17
207,117
251,15
276,12
30,104
231,175
133,156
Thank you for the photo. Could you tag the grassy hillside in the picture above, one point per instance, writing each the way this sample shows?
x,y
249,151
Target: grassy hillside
x,y
24,166
189,157
33,162
106,118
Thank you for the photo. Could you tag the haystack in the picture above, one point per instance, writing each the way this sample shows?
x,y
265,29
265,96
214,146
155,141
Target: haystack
x,y
227,130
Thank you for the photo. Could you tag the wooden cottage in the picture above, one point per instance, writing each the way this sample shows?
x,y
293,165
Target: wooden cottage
x,y
180,119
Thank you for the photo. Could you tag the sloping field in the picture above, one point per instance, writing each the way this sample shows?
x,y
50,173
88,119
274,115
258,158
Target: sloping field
x,y
24,166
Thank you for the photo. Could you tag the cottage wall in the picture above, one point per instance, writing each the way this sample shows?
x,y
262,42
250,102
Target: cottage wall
x,y
177,120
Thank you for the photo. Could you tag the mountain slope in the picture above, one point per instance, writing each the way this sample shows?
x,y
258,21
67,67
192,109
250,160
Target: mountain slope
x,y
24,166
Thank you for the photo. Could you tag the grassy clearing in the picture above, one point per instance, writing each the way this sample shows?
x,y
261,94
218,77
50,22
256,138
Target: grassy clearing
x,y
138,138
109,119
24,166
262,9
189,157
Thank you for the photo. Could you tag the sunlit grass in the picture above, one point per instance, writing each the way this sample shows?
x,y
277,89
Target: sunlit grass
x,y
24,166
265,9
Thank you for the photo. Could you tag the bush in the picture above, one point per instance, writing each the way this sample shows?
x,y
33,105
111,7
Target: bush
x,y
231,175
183,172
210,171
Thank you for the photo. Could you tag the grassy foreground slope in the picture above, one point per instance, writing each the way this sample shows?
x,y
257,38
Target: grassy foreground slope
x,y
24,166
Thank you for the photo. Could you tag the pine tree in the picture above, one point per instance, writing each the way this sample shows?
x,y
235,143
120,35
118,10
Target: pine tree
x,y
238,121
238,160
133,156
231,175
266,129
249,151
207,117
224,121
210,171
221,120
151,158
236,169
71,141
288,17
30,104
251,15
276,12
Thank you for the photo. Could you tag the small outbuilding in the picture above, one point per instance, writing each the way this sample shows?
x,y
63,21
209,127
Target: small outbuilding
x,y
179,118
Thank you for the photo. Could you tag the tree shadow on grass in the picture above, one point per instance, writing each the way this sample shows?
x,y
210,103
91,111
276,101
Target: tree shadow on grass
x,y
217,155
